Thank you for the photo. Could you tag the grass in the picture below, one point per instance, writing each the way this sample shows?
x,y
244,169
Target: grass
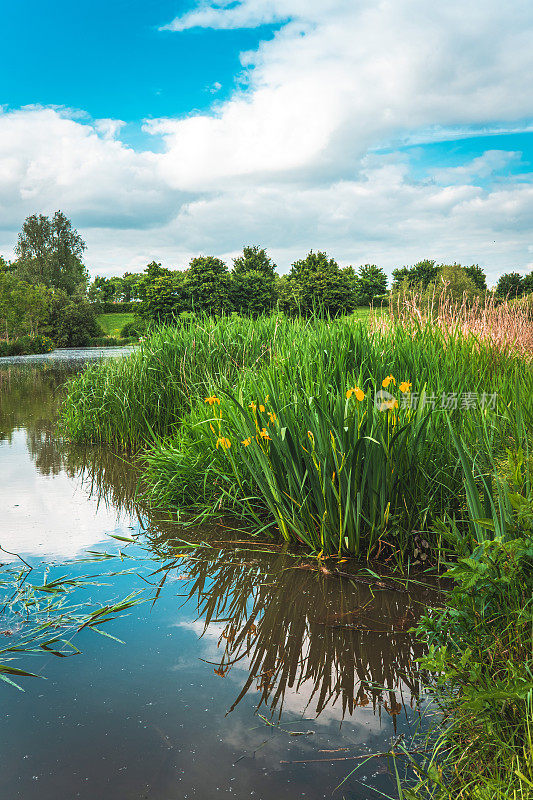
x,y
309,464
112,324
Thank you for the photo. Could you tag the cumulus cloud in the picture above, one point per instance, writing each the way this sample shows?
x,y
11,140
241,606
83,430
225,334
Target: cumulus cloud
x,y
285,161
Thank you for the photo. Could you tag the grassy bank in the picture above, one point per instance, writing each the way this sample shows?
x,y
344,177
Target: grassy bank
x,y
112,324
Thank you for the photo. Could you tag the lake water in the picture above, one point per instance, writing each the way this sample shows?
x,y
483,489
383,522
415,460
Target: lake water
x,y
251,675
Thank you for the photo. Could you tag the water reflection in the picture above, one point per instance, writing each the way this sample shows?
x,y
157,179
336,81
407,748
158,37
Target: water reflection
x,y
324,645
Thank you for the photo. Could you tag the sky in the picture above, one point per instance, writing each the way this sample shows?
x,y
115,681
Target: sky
x,y
380,131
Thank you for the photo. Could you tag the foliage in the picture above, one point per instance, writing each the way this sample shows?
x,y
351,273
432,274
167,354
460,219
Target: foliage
x,y
124,289
420,275
26,345
50,252
23,307
453,282
70,323
208,285
252,287
476,274
510,284
370,282
135,328
317,285
164,297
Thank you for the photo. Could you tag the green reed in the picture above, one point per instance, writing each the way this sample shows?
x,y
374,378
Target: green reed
x,y
309,464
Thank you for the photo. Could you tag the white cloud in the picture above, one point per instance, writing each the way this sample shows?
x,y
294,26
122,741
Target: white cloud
x,y
284,161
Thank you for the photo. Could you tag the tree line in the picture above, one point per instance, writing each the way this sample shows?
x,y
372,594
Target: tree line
x,y
46,289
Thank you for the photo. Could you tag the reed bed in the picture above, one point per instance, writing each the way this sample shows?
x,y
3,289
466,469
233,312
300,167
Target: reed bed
x,y
291,437
507,325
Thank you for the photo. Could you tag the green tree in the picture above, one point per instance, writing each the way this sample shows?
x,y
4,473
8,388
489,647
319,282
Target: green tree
x,y
101,290
510,285
419,276
6,266
252,287
475,272
527,283
317,284
454,282
208,285
70,323
23,307
370,282
50,252
165,298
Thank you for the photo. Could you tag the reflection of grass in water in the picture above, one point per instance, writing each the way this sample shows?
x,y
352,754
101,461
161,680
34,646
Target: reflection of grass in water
x,y
44,616
292,629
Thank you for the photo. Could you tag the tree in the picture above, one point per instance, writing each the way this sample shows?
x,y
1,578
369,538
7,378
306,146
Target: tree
x,y
419,276
165,298
527,283
50,252
454,282
370,282
319,285
475,272
510,285
71,323
23,307
252,288
208,285
6,266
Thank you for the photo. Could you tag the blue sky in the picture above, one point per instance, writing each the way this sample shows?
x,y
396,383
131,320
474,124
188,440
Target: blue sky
x,y
379,133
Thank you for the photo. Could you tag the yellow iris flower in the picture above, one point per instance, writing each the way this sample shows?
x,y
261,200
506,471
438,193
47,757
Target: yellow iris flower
x,y
212,399
360,395
386,381
405,386
224,443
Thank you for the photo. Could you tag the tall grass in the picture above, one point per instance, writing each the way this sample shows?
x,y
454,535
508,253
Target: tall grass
x,y
311,464
481,646
507,325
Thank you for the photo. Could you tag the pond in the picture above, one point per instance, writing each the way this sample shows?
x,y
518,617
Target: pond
x,y
247,672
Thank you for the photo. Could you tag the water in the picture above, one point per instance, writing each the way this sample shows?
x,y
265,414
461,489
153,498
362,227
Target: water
x,y
248,659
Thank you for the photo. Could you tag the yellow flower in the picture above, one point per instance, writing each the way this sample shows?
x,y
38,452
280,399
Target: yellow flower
x,y
387,380
272,416
224,443
211,427
266,399
247,441
360,395
212,400
405,386
264,434
261,408
252,406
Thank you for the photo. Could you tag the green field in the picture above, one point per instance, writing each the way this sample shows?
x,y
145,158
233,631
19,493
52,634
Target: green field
x,y
112,324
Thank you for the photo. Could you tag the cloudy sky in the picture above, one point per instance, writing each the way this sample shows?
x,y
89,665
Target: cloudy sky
x,y
379,131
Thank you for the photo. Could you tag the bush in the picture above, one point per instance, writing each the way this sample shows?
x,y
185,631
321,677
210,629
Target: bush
x,y
71,323
26,345
134,329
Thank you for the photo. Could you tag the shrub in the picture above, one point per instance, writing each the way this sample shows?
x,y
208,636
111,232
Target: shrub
x,y
133,329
